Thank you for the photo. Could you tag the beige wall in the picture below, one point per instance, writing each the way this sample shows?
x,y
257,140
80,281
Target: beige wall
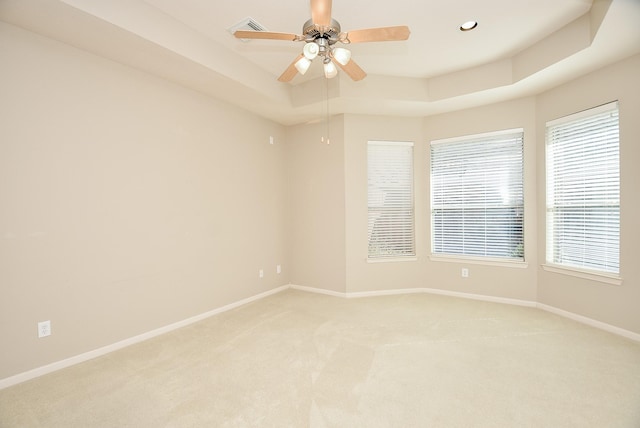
x,y
316,209
127,203
612,304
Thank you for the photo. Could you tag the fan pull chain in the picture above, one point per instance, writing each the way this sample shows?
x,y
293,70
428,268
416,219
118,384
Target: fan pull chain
x,y
322,139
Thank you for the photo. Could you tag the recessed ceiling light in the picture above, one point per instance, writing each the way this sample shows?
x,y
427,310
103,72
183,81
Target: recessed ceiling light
x,y
468,26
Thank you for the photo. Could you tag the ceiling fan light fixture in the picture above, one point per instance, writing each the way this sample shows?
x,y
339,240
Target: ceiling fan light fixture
x,y
330,70
302,65
341,55
320,34
311,50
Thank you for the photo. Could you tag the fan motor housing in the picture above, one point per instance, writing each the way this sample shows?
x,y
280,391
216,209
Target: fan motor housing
x,y
313,31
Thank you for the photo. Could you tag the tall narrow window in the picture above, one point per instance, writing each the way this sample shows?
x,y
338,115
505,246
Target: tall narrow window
x,y
390,195
583,190
477,196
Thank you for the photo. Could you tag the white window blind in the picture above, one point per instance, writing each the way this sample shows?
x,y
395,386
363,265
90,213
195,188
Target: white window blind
x,y
477,196
390,199
583,190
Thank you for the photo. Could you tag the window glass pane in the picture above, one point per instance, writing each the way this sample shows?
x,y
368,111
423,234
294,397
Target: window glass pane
x,y
477,198
390,195
583,190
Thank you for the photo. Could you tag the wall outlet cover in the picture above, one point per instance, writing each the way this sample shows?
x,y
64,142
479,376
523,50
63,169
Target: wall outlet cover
x,y
44,328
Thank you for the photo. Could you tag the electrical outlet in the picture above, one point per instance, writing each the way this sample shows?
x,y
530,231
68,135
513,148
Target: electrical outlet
x,y
465,273
278,269
261,273
44,328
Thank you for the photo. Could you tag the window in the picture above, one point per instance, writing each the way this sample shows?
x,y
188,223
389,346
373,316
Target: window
x,y
477,197
583,190
390,195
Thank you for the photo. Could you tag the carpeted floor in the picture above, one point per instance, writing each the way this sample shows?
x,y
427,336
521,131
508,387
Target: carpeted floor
x,y
297,359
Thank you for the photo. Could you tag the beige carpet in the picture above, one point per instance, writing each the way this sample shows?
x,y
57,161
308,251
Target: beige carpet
x,y
298,359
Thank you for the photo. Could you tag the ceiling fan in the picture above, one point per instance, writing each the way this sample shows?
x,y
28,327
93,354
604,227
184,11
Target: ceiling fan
x,y
320,34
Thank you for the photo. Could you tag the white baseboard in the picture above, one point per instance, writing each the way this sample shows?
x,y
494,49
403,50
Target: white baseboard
x,y
58,365
359,294
441,292
591,322
317,290
527,303
482,297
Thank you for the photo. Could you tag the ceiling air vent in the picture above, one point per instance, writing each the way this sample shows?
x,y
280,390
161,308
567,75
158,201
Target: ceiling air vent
x,y
247,24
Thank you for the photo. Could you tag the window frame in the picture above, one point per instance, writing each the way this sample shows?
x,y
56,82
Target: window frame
x,y
395,257
550,262
501,261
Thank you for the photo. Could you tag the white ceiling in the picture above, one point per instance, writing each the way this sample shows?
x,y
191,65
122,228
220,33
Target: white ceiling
x,y
520,47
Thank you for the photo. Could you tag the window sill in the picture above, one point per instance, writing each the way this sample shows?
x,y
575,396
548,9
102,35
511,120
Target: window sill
x,y
393,259
480,261
584,274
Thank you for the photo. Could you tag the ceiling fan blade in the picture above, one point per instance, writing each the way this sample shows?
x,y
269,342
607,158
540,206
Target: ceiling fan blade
x,y
353,70
291,71
321,12
382,34
268,35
